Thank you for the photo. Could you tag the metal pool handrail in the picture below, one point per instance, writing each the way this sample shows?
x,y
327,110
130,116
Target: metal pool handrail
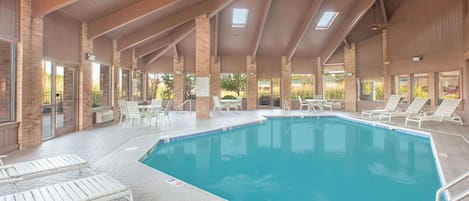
x,y
452,183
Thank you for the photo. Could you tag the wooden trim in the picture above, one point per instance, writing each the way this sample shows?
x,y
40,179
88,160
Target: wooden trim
x,y
383,11
44,7
260,28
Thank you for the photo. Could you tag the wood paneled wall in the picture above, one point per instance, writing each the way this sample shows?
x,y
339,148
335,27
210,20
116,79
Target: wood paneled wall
x,y
9,20
102,48
233,64
62,38
8,137
370,57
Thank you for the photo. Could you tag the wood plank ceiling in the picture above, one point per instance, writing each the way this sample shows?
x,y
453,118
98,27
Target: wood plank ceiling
x,y
274,27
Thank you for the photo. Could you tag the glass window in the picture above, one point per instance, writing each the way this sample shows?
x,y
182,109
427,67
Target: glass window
x,y
124,84
420,82
160,86
326,20
101,85
334,85
449,85
302,85
264,90
7,81
233,85
240,17
138,94
402,87
371,89
189,86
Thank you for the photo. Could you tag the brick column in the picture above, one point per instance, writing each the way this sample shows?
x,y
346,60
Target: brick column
x,y
286,82
433,88
350,79
178,81
29,99
319,77
386,63
115,83
251,83
202,66
85,115
215,80
410,88
465,89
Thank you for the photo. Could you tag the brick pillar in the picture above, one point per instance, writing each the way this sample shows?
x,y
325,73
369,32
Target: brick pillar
x,y
319,77
215,80
202,66
350,78
29,102
286,82
465,89
251,83
386,63
178,81
115,83
85,115
410,88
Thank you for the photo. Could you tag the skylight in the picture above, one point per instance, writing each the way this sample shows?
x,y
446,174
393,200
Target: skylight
x,y
326,20
240,17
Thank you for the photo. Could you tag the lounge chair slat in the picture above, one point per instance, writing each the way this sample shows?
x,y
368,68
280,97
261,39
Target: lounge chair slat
x,y
96,185
62,193
74,195
54,162
28,196
79,192
37,195
86,189
19,197
55,195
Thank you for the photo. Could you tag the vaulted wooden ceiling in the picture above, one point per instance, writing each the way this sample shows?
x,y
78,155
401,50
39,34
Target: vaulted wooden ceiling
x,y
156,28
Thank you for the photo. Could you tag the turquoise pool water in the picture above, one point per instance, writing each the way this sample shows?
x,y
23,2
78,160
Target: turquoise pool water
x,y
303,159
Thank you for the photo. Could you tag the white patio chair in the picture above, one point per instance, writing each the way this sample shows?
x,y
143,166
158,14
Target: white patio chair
x,y
122,109
239,103
413,109
164,114
155,110
98,187
303,104
13,173
157,102
328,104
391,105
444,112
133,112
217,104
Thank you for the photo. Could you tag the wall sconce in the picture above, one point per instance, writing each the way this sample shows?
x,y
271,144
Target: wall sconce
x,y
349,74
90,56
178,72
417,58
387,62
252,73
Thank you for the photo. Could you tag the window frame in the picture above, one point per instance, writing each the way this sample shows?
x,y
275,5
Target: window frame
x,y
109,101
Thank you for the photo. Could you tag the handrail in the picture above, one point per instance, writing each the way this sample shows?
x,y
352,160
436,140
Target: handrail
x,y
449,185
285,106
185,102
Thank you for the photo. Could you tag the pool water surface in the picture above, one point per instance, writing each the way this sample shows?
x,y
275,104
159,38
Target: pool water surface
x,y
303,159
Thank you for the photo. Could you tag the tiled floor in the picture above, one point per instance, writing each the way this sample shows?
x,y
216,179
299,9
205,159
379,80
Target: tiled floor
x,y
115,150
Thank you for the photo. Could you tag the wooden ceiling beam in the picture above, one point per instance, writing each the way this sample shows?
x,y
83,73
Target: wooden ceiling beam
x,y
164,41
260,28
303,28
125,16
210,7
351,21
44,7
383,11
175,52
176,40
346,43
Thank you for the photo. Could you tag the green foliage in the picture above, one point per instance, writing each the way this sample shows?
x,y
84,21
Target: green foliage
x,y
334,93
229,97
421,92
189,86
168,81
233,82
379,90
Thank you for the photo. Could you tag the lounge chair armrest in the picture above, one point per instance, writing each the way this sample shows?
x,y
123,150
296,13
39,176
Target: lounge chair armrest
x,y
3,156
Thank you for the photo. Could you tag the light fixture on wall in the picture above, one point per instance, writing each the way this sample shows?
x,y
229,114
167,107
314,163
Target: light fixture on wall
x,y
349,74
178,72
387,62
90,56
252,73
417,58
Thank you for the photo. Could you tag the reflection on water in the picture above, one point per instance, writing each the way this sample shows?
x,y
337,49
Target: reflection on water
x,y
304,159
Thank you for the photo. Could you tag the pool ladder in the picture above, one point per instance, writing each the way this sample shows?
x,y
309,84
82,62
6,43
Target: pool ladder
x,y
459,196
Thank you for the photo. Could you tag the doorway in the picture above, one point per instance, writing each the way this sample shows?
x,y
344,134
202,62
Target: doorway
x,y
269,93
58,100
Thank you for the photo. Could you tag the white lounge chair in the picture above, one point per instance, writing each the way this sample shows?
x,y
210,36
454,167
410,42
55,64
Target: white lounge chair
x,y
413,109
303,104
13,173
391,105
122,109
444,112
98,187
217,104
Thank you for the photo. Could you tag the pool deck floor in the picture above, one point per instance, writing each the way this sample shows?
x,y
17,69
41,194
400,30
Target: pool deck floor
x,y
115,150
